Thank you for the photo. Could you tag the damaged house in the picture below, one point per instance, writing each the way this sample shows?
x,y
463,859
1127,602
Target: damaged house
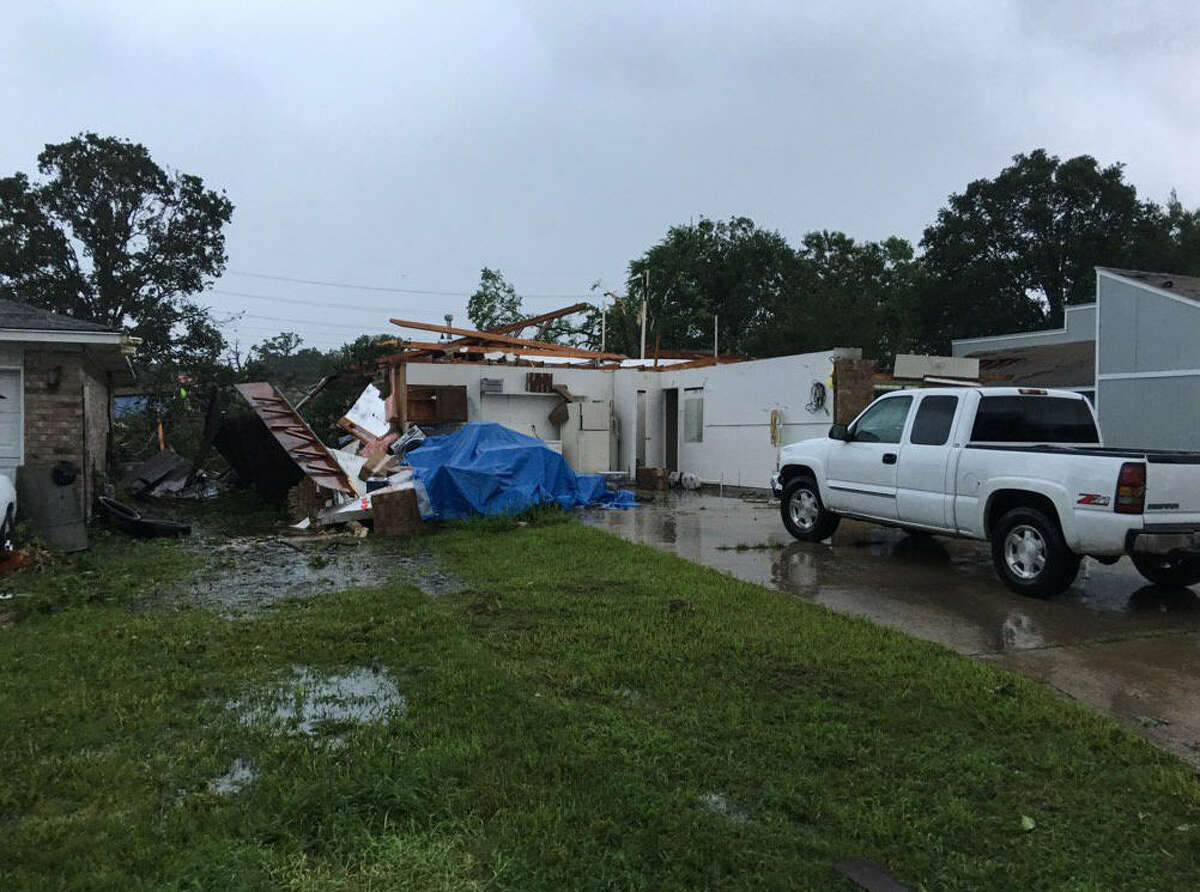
x,y
56,379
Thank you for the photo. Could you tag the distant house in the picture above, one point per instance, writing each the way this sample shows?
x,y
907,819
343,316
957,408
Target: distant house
x,y
56,379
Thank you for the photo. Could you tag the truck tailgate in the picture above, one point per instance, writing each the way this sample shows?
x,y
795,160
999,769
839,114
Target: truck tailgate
x,y
1173,489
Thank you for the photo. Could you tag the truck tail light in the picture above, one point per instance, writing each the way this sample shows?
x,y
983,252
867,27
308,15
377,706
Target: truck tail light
x,y
1131,488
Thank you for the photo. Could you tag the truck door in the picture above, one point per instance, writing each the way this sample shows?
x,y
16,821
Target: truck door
x,y
861,474
923,491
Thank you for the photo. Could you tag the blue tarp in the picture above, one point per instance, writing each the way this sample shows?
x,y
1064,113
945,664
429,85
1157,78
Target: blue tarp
x,y
486,468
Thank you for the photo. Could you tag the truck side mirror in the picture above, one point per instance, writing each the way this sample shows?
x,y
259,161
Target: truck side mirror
x,y
839,432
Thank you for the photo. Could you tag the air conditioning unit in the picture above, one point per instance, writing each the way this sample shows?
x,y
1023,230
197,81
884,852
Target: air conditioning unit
x,y
491,385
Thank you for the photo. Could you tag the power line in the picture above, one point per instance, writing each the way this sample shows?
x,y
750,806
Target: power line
x,y
323,324
298,301
383,288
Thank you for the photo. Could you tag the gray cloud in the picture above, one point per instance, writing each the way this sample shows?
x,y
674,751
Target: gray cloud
x,y
409,144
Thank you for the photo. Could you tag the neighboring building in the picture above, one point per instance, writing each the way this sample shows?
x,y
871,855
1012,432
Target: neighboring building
x,y
56,379
723,422
1135,352
1148,359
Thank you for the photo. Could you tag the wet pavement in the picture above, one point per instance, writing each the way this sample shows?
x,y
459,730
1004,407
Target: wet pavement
x,y
1111,641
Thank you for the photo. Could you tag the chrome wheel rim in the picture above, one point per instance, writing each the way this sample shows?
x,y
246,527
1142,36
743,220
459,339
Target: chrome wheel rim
x,y
804,509
1025,552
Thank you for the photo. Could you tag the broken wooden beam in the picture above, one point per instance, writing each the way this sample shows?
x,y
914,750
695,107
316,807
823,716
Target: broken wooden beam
x,y
488,338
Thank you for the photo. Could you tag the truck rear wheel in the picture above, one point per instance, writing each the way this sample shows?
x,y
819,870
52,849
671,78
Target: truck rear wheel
x,y
804,514
1030,555
1173,570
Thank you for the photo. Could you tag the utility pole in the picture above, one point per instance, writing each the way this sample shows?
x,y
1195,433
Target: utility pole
x,y
645,294
715,353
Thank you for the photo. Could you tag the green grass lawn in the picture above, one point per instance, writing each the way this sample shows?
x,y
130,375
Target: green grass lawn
x,y
589,714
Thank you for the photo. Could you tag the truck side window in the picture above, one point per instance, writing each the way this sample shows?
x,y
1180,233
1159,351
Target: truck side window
x,y
884,421
935,414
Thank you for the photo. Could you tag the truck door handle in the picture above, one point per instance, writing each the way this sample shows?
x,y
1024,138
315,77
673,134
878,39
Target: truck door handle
x,y
889,458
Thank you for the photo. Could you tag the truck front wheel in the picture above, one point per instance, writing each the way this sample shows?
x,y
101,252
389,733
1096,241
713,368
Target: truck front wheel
x,y
804,514
1173,570
1030,556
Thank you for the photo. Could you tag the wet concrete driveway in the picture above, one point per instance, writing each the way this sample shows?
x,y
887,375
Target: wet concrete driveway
x,y
1111,641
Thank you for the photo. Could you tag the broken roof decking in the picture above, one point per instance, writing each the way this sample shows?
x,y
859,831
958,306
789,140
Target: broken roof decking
x,y
295,436
1072,364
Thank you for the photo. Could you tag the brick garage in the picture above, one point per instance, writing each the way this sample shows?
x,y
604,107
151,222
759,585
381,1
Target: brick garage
x,y
56,381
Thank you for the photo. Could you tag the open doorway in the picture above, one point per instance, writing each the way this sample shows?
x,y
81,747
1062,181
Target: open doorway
x,y
671,428
639,433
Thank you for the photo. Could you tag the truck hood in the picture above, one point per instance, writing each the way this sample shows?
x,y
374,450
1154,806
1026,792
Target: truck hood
x,y
816,447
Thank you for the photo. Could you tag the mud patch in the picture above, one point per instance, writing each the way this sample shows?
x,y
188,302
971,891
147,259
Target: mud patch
x,y
234,780
313,703
244,577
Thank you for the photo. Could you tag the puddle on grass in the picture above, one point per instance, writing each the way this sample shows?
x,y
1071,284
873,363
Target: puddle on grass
x,y
313,703
238,776
723,808
243,577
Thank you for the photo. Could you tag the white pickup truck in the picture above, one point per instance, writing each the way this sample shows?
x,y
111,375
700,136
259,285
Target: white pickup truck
x,y
1022,468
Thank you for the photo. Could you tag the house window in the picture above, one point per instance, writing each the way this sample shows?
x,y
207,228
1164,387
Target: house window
x,y
693,417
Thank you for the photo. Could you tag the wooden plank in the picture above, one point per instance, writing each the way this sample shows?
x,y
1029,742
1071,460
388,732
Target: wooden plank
x,y
487,338
526,323
538,320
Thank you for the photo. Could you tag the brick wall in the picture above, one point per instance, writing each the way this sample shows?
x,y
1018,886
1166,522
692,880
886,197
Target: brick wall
x,y
97,417
853,388
53,407
66,415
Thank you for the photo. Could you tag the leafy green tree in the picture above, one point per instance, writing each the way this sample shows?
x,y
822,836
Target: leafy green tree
x,y
494,303
109,236
844,293
1010,253
283,361
730,270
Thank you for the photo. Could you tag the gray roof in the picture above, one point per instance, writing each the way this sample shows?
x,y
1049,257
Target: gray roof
x,y
1050,365
23,317
1184,286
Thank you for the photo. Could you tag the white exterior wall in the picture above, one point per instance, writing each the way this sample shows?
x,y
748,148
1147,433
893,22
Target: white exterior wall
x,y
524,412
736,449
738,399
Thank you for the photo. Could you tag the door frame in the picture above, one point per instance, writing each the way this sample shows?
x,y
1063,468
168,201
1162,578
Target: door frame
x,y
671,428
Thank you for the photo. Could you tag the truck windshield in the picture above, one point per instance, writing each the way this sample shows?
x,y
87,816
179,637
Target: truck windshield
x,y
1033,419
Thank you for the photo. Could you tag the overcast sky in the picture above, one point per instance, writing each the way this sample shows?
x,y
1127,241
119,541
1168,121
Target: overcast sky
x,y
406,145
